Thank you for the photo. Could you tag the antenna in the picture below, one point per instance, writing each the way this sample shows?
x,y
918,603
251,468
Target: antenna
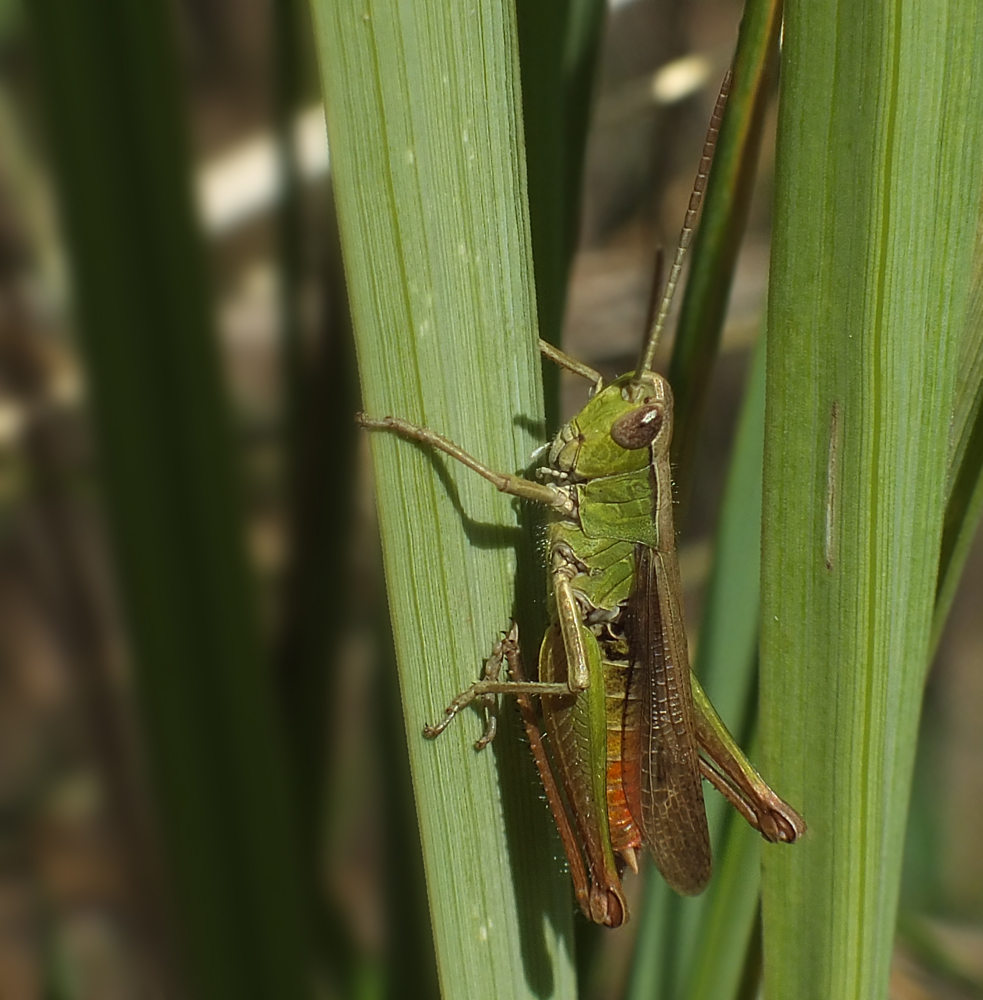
x,y
686,235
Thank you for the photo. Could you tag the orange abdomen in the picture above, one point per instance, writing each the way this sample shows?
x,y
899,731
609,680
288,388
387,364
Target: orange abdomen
x,y
624,830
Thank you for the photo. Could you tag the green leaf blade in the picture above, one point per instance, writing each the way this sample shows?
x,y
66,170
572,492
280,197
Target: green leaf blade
x,y
424,123
878,181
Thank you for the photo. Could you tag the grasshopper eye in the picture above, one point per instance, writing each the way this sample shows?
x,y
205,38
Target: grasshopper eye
x,y
639,428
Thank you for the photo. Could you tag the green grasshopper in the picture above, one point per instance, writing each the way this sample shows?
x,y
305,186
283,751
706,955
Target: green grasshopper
x,y
630,730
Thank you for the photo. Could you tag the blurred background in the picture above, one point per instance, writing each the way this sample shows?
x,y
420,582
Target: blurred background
x,y
84,902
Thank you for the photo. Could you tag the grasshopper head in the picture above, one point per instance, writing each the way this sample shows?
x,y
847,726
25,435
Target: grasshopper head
x,y
613,433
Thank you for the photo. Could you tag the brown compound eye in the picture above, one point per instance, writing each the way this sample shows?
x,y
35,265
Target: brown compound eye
x,y
639,428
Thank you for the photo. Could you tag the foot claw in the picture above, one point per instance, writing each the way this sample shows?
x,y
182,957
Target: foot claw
x,y
491,728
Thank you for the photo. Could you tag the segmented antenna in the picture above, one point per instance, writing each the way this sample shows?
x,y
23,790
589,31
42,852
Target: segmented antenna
x,y
686,235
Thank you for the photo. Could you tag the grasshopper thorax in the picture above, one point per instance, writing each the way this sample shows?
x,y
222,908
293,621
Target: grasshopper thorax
x,y
621,429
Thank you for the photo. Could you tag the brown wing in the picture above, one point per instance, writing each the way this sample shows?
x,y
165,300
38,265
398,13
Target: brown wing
x,y
662,765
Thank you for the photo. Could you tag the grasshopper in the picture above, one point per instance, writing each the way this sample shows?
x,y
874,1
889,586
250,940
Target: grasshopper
x,y
631,732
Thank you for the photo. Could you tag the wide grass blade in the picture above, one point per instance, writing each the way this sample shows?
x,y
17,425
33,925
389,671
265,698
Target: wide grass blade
x,y
425,130
116,130
880,148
